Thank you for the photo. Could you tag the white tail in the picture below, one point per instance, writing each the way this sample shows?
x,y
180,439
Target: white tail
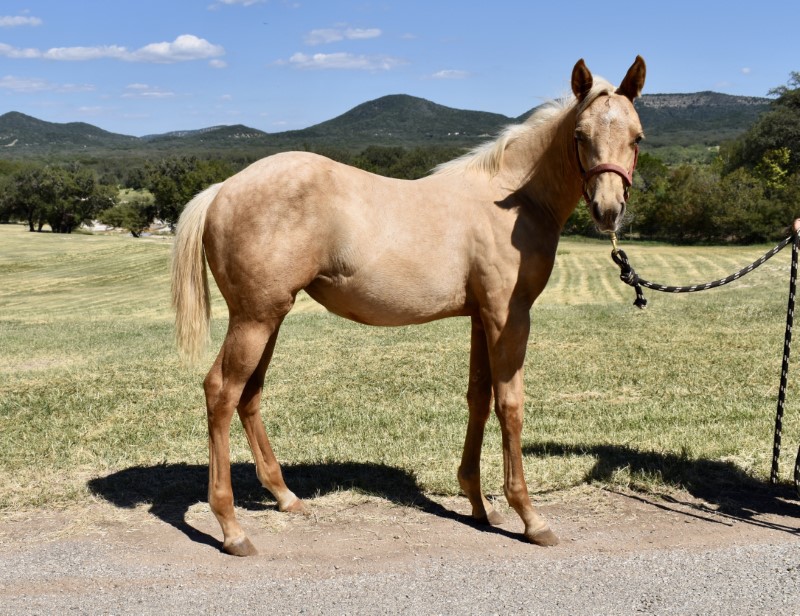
x,y
190,296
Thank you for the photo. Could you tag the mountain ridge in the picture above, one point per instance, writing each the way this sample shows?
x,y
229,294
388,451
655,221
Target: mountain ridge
x,y
396,119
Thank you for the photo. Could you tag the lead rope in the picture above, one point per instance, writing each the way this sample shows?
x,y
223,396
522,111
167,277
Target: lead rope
x,y
629,276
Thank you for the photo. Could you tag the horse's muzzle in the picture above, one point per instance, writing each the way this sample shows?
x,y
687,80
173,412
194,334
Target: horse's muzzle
x,y
607,218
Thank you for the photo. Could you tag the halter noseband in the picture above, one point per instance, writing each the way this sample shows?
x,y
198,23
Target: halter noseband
x,y
627,176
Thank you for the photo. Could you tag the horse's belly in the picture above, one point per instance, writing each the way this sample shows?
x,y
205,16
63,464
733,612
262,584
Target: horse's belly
x,y
379,302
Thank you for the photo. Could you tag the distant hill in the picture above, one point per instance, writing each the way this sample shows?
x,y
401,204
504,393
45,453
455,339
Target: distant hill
x,y
20,133
404,118
701,119
707,118
237,135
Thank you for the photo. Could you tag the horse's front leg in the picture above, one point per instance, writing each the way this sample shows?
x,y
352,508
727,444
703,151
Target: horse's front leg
x,y
479,400
507,340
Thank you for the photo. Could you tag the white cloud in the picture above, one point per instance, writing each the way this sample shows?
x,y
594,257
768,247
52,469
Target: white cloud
x,y
17,53
345,61
91,111
19,20
184,48
746,70
450,74
79,54
361,33
142,90
241,2
217,63
324,35
22,85
332,35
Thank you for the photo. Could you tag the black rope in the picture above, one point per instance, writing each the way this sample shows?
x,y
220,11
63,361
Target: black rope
x,y
787,347
629,276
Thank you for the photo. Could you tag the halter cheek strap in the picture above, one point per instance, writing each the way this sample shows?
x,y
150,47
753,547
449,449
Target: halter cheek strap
x,y
627,176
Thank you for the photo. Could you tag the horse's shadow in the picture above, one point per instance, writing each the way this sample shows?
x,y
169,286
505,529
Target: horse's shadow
x,y
170,489
722,488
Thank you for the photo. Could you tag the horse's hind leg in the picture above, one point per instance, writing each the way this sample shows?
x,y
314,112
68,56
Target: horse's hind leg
x,y
224,385
479,400
267,467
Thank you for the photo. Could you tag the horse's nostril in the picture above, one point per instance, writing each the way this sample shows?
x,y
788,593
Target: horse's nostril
x,y
596,211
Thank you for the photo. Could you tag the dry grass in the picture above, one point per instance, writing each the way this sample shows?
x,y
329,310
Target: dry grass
x,y
681,395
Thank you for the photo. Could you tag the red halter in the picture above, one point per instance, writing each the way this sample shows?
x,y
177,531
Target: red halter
x,y
627,176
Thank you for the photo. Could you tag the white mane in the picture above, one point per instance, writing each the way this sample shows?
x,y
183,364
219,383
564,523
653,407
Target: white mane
x,y
488,157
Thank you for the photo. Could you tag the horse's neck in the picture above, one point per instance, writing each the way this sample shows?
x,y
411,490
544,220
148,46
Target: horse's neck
x,y
545,168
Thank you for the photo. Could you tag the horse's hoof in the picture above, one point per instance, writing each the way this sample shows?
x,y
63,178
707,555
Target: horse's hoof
x,y
544,537
296,506
241,547
494,518
491,518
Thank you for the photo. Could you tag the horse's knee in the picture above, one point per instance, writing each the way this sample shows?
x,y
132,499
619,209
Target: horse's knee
x,y
516,491
509,411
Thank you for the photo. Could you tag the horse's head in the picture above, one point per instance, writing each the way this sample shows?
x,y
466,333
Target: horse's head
x,y
607,133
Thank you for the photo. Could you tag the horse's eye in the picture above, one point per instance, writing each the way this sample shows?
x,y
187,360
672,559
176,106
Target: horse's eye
x,y
579,136
638,139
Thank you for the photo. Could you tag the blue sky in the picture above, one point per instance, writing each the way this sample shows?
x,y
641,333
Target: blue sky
x,y
143,66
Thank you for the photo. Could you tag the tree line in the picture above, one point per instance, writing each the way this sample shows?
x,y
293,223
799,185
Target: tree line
x,y
66,196
750,193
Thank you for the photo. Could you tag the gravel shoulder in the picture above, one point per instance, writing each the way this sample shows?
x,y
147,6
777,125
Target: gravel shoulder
x,y
621,552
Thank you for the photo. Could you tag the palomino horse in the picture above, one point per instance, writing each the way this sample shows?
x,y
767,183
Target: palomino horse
x,y
476,238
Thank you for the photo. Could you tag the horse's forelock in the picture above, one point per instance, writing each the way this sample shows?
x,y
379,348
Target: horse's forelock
x,y
600,87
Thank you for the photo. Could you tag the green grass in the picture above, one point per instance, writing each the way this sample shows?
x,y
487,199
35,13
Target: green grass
x,y
679,396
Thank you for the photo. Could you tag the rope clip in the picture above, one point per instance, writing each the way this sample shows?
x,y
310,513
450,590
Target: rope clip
x,y
614,247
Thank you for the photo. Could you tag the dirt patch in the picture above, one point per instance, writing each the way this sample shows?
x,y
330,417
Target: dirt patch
x,y
349,532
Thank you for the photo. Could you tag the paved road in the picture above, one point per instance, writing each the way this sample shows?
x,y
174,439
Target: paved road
x,y
753,579
621,555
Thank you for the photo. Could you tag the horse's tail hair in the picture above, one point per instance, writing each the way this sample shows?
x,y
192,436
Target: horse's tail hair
x,y
190,294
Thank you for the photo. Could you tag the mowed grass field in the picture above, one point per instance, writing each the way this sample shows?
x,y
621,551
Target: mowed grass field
x,y
680,396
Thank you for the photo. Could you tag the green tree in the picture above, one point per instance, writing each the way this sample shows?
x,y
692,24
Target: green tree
x,y
379,159
62,197
77,199
773,169
29,192
778,128
648,193
135,215
741,211
175,181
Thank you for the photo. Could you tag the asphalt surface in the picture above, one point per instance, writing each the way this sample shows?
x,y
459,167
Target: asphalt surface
x,y
753,579
620,555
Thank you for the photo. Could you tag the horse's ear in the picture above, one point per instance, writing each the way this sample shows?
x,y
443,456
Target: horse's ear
x,y
581,80
633,83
